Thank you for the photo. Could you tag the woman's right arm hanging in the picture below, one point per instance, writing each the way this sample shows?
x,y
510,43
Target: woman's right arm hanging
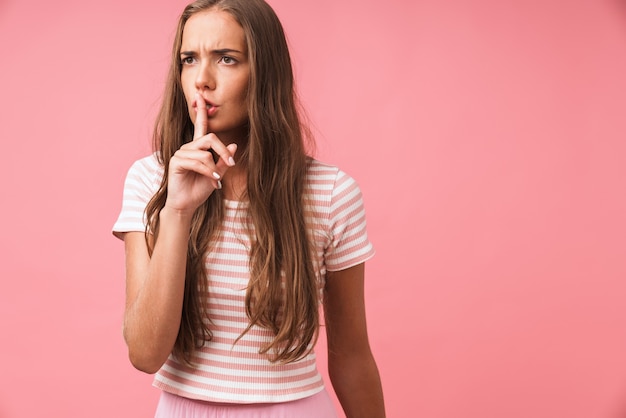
x,y
155,284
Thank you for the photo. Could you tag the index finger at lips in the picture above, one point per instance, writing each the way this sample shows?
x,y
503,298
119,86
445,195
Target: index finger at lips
x,y
201,124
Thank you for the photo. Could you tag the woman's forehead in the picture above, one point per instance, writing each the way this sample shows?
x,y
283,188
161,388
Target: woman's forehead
x,y
213,29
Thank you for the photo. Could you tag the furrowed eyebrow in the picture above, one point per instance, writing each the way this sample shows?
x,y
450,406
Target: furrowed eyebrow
x,y
226,51
223,51
215,52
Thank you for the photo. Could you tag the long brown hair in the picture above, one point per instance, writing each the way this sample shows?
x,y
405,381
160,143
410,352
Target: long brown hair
x,y
282,295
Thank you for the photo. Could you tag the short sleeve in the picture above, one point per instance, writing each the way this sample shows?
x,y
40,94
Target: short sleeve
x,y
349,244
142,182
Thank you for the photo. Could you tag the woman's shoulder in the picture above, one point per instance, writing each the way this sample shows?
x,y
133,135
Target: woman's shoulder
x,y
320,172
320,175
327,182
148,163
145,174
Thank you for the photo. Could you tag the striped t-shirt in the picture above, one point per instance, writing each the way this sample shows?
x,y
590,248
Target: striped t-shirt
x,y
225,371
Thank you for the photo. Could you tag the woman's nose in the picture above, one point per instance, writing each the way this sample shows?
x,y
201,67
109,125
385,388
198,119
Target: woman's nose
x,y
205,78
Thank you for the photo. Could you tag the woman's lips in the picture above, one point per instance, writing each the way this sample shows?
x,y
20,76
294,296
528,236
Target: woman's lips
x,y
210,108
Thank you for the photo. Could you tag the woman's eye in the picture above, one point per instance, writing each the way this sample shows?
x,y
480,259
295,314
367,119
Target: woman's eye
x,y
227,60
187,60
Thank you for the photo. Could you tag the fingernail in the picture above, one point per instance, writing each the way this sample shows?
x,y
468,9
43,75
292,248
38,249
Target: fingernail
x,y
231,161
216,175
219,184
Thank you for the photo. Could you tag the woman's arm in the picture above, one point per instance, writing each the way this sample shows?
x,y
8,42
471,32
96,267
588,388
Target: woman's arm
x,y
351,365
154,292
155,286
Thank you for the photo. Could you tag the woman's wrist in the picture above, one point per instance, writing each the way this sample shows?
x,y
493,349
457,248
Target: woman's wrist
x,y
181,217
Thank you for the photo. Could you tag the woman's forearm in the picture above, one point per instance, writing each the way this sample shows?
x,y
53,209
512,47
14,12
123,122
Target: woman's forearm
x,y
356,382
155,294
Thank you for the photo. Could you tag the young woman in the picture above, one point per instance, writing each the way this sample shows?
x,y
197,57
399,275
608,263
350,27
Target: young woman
x,y
234,236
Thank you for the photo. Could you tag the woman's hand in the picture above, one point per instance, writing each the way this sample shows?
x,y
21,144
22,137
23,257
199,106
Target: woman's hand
x,y
193,174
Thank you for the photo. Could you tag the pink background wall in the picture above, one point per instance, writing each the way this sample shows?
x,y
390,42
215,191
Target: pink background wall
x,y
489,141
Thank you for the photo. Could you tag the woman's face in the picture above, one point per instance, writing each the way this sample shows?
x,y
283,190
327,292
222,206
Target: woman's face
x,y
214,59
